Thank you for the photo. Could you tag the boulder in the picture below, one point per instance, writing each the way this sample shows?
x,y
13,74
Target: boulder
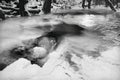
x,y
39,52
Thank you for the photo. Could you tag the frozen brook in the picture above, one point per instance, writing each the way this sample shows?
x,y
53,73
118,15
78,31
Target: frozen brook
x,y
84,57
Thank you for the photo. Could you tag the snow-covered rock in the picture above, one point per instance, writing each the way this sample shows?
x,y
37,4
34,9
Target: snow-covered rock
x,y
21,69
39,52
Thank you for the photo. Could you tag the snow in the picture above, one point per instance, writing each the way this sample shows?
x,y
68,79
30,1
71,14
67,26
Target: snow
x,y
99,70
19,70
112,55
56,68
89,21
39,52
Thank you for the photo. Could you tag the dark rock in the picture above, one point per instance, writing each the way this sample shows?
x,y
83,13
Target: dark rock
x,y
2,15
2,66
18,52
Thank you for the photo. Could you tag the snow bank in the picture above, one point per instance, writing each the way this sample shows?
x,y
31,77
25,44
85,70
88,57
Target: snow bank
x,y
56,68
112,55
21,69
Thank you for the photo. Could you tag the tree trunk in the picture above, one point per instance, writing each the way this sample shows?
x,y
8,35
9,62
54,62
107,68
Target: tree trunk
x,y
2,15
47,6
89,3
22,4
83,3
109,3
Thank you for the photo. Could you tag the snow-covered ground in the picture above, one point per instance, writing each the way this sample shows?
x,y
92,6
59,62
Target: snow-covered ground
x,y
105,67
